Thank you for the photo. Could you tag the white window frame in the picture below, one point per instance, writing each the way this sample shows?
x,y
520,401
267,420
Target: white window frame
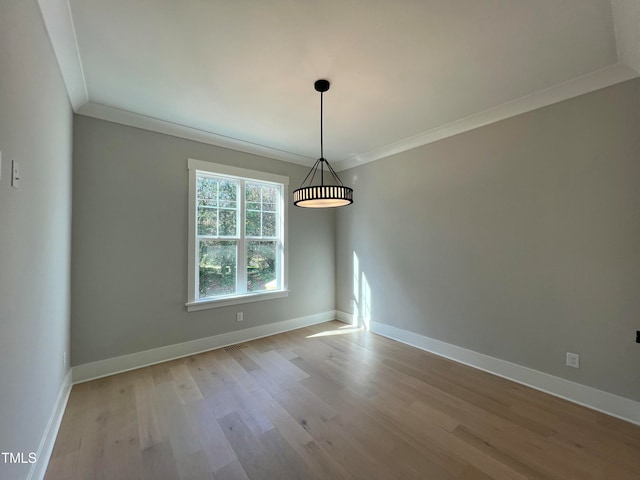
x,y
193,303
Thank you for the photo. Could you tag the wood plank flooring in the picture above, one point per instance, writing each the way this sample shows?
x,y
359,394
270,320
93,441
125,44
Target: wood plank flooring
x,y
331,402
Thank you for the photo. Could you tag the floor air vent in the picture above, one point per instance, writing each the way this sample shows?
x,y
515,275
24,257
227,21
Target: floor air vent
x,y
233,348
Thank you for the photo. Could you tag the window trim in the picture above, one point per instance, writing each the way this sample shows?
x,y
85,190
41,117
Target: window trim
x,y
193,167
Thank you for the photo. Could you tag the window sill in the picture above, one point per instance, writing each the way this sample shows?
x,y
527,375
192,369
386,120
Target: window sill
x,y
225,302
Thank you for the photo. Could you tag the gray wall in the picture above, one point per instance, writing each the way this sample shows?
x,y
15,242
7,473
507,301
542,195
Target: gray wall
x,y
35,230
129,274
519,240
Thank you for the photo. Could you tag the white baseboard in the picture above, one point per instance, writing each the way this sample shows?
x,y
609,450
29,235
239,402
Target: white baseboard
x,y
605,402
48,440
344,317
111,366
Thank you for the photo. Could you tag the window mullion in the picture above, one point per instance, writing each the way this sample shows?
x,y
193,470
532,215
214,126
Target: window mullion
x,y
280,251
241,286
193,282
261,211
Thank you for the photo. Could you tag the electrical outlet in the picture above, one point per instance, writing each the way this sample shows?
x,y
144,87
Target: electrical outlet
x,y
64,359
239,316
573,360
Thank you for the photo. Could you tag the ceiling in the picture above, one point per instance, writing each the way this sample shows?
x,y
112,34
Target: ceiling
x,y
405,72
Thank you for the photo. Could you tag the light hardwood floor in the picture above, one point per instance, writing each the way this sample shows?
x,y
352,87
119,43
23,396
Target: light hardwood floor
x,y
310,405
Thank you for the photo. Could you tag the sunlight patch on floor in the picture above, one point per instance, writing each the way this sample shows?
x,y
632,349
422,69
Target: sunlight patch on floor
x,y
340,331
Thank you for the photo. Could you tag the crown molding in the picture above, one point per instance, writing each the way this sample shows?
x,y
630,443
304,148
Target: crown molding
x,y
578,86
58,21
626,19
62,34
124,117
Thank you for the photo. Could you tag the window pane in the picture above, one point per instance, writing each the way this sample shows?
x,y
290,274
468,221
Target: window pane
x,y
268,224
207,188
253,192
261,266
221,195
270,198
227,220
228,195
252,228
261,209
218,267
207,220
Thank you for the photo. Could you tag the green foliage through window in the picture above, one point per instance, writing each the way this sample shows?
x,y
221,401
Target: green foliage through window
x,y
261,266
218,268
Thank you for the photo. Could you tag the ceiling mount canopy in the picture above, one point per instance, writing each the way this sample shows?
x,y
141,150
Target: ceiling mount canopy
x,y
322,195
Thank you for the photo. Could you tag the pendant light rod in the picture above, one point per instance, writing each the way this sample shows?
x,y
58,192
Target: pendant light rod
x,y
322,86
321,126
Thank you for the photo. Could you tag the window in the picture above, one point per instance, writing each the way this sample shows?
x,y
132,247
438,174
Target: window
x,y
237,241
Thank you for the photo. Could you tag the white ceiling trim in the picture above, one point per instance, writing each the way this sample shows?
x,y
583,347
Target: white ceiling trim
x,y
124,117
626,20
59,24
578,86
587,83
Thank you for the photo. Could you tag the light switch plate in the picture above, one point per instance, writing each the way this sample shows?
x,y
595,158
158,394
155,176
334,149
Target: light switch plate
x,y
15,174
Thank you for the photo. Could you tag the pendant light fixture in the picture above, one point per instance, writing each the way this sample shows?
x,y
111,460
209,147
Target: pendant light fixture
x,y
322,195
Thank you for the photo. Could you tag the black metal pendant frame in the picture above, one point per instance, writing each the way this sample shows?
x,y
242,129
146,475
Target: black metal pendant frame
x,y
322,196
